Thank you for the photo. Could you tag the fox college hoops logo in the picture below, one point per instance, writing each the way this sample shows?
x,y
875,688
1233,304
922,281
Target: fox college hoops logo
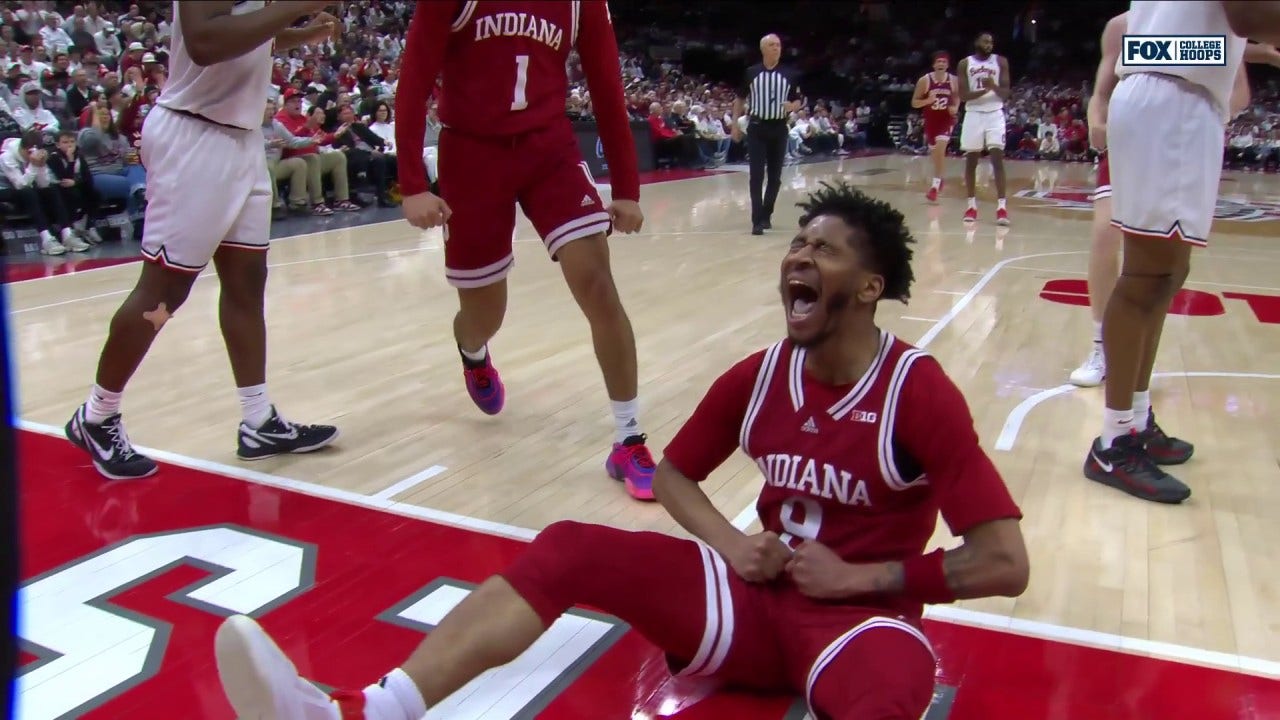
x,y
1171,50
1078,198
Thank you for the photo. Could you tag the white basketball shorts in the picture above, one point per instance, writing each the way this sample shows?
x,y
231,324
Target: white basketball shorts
x,y
207,185
1164,149
982,129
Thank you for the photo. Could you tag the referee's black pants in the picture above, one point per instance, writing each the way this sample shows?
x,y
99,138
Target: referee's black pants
x,y
767,146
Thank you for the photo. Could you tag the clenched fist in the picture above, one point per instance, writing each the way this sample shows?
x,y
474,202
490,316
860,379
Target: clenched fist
x,y
759,558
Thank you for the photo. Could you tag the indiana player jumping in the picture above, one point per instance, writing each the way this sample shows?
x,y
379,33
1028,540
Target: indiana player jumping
x,y
938,99
984,86
1164,140
1104,252
207,124
862,440
507,141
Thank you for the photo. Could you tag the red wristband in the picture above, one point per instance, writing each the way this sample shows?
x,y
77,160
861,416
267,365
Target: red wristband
x,y
924,579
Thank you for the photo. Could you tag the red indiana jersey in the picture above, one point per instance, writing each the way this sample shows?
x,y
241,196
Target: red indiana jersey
x,y
864,469
940,111
502,69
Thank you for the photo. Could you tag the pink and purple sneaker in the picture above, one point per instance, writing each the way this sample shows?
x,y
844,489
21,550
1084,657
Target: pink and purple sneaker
x,y
631,463
483,384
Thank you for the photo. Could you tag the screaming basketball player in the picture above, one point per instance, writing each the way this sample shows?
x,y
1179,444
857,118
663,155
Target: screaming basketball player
x,y
507,141
862,440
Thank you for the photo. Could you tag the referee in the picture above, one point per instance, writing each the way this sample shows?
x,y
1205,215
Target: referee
x,y
771,93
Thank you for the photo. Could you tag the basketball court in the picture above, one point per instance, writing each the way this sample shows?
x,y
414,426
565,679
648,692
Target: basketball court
x,y
1134,610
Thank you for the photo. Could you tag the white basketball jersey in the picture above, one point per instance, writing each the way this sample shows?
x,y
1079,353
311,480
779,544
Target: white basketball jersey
x,y
1188,17
232,92
977,70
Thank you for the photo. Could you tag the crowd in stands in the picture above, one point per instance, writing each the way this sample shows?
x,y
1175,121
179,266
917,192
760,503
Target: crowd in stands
x,y
80,79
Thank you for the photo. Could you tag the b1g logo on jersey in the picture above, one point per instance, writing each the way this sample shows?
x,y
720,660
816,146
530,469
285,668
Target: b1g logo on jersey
x,y
864,416
1169,50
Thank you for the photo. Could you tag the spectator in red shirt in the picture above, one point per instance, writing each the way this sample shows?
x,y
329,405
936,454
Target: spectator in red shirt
x,y
304,139
669,142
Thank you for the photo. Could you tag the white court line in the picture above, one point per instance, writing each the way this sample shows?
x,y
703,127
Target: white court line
x,y
315,489
1188,282
204,275
138,258
1013,423
948,292
410,482
913,317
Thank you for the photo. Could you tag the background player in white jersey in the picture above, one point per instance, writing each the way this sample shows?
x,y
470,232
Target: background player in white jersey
x,y
984,86
1164,138
209,199
1104,252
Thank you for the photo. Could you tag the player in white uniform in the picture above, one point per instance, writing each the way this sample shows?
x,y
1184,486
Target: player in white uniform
x,y
1104,250
984,86
209,199
1164,141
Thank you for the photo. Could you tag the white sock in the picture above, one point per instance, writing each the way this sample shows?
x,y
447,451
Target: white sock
x,y
937,183
395,697
624,419
973,203
1115,423
1000,204
1097,331
1141,408
477,356
102,405
255,405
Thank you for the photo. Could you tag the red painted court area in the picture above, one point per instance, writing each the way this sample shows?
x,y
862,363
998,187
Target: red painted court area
x,y
125,583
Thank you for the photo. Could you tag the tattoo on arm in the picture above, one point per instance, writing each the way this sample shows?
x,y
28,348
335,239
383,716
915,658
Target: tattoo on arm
x,y
893,579
958,566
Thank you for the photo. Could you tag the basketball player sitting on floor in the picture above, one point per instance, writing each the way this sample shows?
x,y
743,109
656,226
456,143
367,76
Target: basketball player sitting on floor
x,y
862,440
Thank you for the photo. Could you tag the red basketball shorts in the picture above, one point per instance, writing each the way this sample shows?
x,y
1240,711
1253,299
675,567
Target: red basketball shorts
x,y
937,126
1103,188
847,662
483,179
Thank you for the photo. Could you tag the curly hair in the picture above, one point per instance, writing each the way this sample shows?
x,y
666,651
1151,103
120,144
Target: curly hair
x,y
880,233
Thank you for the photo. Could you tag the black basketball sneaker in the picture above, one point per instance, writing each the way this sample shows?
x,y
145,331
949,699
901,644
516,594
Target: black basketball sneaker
x,y
1164,449
109,448
278,436
1127,466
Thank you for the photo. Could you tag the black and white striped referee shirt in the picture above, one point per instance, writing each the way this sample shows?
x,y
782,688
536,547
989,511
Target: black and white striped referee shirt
x,y
767,91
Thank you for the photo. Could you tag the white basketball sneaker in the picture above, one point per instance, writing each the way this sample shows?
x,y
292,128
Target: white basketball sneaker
x,y
260,681
1093,371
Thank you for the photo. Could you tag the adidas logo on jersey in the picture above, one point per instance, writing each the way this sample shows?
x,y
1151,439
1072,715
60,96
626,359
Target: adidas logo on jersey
x,y
810,426
587,201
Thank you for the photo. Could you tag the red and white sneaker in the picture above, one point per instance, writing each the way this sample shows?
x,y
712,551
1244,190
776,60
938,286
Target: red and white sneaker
x,y
932,195
1002,216
971,215
631,463
263,684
